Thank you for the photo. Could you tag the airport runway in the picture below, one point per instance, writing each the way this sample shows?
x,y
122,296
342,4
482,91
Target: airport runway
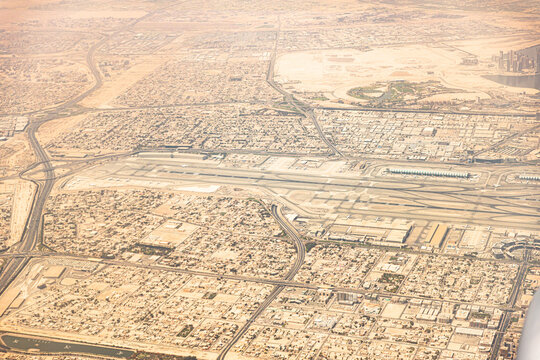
x,y
514,206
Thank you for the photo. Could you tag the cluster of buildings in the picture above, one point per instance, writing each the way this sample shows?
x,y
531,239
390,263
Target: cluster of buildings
x,y
38,42
355,300
338,265
9,125
378,31
6,202
114,65
155,308
529,177
510,340
216,127
518,149
207,233
180,270
423,136
86,300
461,279
227,253
387,135
100,223
518,62
206,78
428,172
257,42
437,276
513,247
139,42
523,178
33,83
298,323
389,233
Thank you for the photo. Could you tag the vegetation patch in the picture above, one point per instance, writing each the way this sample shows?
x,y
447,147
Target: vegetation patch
x,y
186,330
394,93
150,249
310,245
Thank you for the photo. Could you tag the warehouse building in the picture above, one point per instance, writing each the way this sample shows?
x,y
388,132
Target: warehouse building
x,y
436,235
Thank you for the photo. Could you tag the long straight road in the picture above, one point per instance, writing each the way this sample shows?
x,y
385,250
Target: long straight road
x,y
300,256
295,103
31,234
507,314
509,205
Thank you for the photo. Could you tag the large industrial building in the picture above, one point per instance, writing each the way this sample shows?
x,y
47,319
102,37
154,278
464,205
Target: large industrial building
x,y
436,235
429,172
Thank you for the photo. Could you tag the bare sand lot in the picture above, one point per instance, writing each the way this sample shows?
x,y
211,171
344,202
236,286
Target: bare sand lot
x,y
15,155
334,72
22,203
111,89
325,70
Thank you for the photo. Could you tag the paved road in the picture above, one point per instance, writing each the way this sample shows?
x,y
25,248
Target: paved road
x,y
31,234
302,108
505,319
449,112
258,280
298,243
300,256
508,205
508,138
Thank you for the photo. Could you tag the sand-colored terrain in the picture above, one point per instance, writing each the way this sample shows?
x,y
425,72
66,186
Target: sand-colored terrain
x,y
20,195
24,193
326,70
111,89
13,11
335,72
486,47
15,155
51,129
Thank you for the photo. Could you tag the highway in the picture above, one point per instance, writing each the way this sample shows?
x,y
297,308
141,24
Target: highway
x,y
463,201
300,256
236,277
428,111
291,100
507,314
298,243
31,234
508,138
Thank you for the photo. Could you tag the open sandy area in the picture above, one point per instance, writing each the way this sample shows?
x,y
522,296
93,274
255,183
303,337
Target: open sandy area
x,y
336,71
112,88
24,192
